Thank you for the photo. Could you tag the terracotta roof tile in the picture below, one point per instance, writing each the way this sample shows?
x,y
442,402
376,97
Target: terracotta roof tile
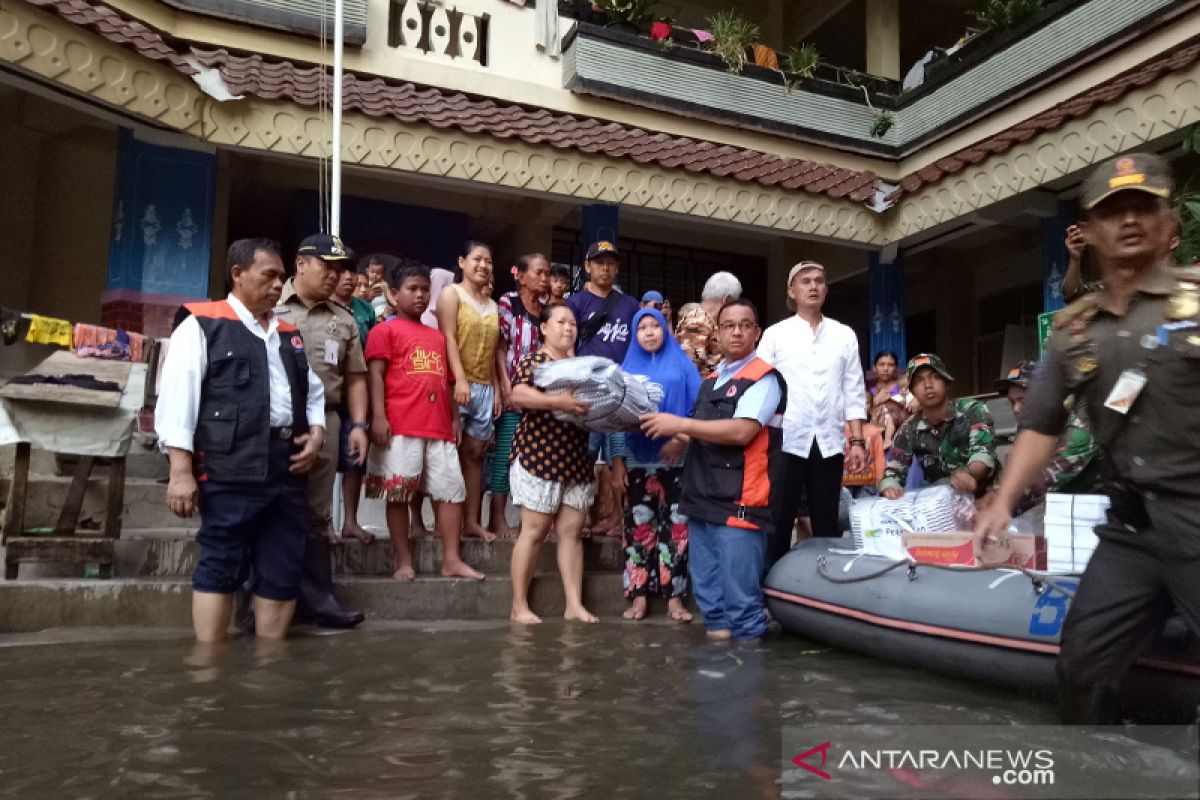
x,y
303,83
1082,104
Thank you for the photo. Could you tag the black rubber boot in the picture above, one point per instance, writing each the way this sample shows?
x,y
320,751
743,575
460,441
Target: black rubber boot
x,y
317,603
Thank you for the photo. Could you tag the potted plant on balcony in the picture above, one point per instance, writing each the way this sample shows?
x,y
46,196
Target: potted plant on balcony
x,y
1000,15
798,62
733,36
632,16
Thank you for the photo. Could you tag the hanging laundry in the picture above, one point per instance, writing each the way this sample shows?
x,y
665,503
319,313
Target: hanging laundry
x,y
546,28
92,336
48,330
11,324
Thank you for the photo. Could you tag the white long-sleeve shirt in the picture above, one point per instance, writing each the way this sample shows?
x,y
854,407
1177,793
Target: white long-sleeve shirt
x,y
824,381
186,365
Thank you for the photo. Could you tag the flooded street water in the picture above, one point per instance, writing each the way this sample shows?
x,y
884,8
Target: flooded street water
x,y
446,711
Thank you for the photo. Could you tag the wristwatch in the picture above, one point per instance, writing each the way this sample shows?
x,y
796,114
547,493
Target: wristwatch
x,y
359,426
858,442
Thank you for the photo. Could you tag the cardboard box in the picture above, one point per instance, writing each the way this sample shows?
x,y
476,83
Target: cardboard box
x,y
962,549
1015,550
945,549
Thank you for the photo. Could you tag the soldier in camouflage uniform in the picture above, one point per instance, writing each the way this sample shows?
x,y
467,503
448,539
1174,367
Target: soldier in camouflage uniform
x,y
696,333
1074,452
952,441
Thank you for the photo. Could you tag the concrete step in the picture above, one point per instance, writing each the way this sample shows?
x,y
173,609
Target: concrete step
x,y
172,552
376,559
36,605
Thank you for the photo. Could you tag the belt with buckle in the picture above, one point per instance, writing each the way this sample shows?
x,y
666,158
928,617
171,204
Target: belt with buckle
x,y
284,433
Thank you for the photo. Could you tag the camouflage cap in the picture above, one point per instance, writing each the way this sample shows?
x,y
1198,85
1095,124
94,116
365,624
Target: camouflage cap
x,y
1142,172
930,360
1019,375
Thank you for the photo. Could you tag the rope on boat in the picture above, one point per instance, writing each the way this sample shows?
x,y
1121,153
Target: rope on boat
x,y
1040,582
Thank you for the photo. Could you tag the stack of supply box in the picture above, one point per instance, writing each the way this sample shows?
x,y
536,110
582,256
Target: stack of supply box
x,y
1070,538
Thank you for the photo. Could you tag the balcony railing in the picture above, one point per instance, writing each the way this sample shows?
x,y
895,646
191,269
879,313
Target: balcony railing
x,y
439,31
834,108
294,16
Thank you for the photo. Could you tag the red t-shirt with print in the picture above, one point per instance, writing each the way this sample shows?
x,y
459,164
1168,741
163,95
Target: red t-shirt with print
x,y
416,381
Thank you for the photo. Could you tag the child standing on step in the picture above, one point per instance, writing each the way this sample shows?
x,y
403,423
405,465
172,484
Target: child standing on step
x,y
415,424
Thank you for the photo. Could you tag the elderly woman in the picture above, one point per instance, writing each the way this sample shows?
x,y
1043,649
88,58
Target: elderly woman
x,y
551,478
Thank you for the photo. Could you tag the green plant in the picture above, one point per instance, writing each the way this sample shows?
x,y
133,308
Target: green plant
x,y
733,35
883,120
881,123
1003,14
797,63
1188,204
630,12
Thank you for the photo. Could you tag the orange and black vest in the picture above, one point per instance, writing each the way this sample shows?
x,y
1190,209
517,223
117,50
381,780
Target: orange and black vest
x,y
726,484
234,424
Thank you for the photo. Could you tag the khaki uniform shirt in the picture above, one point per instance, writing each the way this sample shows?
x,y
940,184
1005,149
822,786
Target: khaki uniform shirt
x,y
330,338
1153,451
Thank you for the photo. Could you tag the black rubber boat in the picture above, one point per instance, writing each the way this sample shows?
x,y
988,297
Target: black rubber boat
x,y
1000,626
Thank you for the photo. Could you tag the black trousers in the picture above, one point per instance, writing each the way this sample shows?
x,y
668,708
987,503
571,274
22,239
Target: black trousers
x,y
816,478
1124,597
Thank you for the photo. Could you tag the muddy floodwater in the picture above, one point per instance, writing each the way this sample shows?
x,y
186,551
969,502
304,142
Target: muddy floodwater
x,y
443,711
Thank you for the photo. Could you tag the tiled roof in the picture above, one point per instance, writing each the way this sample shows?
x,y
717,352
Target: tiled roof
x,y
301,83
1080,105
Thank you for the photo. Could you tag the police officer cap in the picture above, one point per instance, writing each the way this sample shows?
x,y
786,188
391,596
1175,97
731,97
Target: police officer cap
x,y
1140,172
325,247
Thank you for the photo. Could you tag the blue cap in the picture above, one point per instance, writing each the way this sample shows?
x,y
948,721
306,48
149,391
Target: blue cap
x,y
653,297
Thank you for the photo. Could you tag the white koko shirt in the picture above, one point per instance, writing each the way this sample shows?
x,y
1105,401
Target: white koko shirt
x,y
186,365
825,387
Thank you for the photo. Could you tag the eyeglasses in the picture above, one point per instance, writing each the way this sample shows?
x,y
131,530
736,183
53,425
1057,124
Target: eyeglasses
x,y
745,326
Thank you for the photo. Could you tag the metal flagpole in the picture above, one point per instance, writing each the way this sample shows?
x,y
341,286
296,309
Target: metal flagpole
x,y
335,199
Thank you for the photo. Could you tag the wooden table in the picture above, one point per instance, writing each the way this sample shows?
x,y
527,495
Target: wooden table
x,y
58,419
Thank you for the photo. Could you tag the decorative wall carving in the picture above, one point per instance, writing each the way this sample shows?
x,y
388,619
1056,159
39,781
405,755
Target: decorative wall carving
x,y
1136,119
51,48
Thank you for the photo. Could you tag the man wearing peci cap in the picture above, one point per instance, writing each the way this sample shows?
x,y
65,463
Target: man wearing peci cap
x,y
242,418
953,441
335,355
1074,452
1130,354
818,358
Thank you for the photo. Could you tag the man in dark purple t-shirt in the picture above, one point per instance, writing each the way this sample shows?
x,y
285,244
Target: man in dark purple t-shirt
x,y
611,338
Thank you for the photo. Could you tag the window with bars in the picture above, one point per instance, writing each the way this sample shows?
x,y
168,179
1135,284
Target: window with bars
x,y
678,272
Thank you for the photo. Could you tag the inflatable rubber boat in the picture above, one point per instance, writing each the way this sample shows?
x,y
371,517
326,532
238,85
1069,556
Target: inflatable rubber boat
x,y
1000,626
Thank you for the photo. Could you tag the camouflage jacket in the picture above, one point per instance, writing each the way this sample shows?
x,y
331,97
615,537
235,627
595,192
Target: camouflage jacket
x,y
967,435
1075,450
696,333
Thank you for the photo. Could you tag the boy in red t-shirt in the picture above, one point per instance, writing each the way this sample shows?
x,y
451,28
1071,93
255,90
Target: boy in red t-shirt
x,y
414,421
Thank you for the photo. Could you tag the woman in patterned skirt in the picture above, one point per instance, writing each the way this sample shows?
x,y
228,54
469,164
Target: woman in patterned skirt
x,y
656,534
551,478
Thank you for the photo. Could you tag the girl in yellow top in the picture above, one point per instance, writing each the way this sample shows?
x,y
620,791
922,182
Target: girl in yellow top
x,y
470,321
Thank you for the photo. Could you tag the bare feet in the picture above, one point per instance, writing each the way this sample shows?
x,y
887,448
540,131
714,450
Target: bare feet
x,y
354,531
473,530
506,531
677,611
636,610
524,617
417,529
460,569
580,614
721,634
405,573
